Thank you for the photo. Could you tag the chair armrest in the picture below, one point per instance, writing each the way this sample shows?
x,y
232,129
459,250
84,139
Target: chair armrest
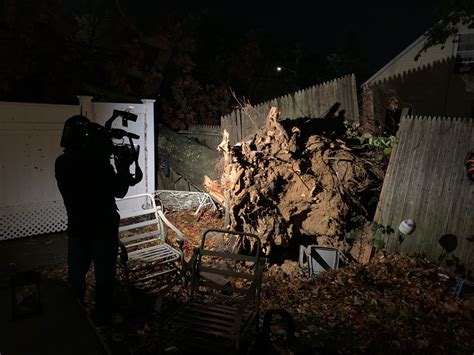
x,y
253,294
123,252
178,233
247,299
242,306
177,279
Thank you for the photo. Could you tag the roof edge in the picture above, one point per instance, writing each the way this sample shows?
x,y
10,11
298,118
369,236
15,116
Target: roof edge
x,y
394,59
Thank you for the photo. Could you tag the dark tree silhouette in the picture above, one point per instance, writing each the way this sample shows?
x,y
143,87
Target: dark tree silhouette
x,y
452,13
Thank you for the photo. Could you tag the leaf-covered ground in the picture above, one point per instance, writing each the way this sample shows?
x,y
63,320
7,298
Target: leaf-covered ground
x,y
395,304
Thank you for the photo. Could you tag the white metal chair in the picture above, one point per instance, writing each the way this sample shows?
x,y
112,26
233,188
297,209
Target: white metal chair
x,y
146,252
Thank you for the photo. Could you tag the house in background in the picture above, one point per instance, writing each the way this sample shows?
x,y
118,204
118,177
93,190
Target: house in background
x,y
439,83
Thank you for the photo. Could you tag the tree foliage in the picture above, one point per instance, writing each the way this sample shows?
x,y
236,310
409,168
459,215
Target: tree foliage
x,y
190,61
453,13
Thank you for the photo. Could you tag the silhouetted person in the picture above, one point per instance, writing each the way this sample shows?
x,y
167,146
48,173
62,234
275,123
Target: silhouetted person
x,y
89,185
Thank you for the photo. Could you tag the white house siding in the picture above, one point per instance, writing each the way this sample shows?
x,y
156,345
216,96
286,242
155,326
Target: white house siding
x,y
405,61
428,87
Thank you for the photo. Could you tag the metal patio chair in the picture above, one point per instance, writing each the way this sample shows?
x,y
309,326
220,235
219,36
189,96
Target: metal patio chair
x,y
146,251
223,301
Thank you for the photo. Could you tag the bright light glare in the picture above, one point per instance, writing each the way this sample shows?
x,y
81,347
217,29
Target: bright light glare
x,y
279,68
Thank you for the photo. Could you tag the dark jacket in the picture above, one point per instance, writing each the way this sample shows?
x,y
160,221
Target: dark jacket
x,y
89,185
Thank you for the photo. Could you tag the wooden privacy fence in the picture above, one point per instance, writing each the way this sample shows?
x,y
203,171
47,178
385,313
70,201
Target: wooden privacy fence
x,y
312,102
426,181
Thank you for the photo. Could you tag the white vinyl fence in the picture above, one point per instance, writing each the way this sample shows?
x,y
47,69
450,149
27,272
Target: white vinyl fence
x,y
30,202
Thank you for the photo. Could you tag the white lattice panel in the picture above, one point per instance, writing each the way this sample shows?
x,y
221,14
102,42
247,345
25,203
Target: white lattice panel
x,y
29,144
32,219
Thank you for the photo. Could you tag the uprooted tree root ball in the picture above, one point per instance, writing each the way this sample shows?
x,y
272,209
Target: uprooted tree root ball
x,y
287,181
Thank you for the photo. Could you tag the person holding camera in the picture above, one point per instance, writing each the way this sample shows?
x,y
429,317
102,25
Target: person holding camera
x,y
89,185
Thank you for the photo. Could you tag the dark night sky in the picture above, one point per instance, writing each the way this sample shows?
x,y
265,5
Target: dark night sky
x,y
382,28
362,35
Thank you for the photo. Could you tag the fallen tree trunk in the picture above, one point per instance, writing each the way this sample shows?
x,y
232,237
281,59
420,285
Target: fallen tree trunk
x,y
214,190
189,159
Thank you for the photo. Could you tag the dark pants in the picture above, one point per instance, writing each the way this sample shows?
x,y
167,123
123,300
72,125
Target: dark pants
x,y
81,252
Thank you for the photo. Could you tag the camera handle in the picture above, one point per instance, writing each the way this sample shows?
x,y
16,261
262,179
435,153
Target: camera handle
x,y
126,116
138,176
119,133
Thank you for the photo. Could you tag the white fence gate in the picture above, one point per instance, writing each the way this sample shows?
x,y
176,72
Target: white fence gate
x,y
30,202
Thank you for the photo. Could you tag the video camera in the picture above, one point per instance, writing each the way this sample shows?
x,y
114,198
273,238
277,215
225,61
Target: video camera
x,y
96,139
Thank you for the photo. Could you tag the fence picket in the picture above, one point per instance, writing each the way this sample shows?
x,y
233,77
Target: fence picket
x,y
428,184
314,102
